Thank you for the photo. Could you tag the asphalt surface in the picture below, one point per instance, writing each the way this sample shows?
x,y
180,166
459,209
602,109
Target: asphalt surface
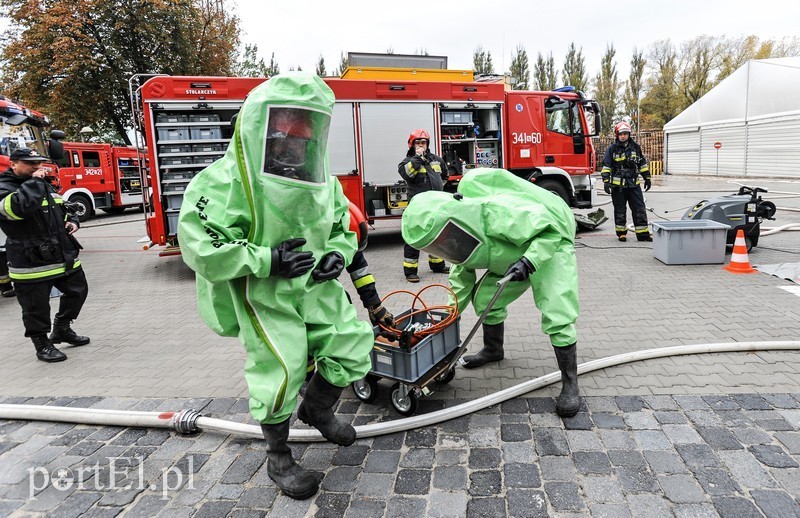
x,y
701,435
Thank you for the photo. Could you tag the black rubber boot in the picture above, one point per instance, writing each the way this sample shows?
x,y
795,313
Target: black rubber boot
x,y
439,267
7,290
317,410
46,351
492,347
63,333
411,274
293,480
568,402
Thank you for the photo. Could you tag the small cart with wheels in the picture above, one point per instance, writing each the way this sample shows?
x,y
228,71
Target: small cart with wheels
x,y
416,368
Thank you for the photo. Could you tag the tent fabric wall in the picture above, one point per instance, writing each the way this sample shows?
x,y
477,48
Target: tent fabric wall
x,y
754,113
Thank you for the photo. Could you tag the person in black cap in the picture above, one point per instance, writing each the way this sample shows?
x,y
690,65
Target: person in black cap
x,y
42,253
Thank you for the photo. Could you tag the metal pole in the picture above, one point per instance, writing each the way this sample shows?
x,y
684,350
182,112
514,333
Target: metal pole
x,y
638,116
717,173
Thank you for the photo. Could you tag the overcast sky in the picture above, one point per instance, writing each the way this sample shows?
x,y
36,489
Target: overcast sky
x,y
298,32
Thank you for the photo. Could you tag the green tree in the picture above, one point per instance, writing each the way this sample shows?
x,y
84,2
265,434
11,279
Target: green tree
x,y
607,89
574,72
321,66
544,73
342,63
520,71
249,64
698,60
482,62
663,100
633,86
72,58
273,69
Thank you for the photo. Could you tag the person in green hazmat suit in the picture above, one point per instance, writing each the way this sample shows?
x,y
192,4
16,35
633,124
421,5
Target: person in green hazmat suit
x,y
508,226
266,229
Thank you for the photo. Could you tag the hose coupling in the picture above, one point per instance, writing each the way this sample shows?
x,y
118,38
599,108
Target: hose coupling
x,y
185,421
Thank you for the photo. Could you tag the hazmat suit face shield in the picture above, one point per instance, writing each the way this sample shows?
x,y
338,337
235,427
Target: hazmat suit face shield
x,y
453,243
296,143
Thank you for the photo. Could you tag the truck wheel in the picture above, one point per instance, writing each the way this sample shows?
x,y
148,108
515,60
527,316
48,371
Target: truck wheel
x,y
554,186
83,206
113,210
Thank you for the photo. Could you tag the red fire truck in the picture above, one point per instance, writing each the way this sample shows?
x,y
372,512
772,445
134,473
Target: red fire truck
x,y
99,176
542,136
23,127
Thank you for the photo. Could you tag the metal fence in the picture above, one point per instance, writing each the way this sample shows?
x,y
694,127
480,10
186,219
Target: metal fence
x,y
651,141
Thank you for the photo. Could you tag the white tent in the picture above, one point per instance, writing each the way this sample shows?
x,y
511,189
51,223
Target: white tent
x,y
749,124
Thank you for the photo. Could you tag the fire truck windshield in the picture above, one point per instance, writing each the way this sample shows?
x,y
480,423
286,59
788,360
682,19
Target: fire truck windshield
x,y
13,136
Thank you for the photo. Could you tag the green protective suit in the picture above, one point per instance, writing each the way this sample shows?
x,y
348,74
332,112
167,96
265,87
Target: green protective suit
x,y
233,214
500,219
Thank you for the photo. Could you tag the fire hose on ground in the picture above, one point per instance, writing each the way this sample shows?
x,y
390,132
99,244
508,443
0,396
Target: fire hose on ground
x,y
190,421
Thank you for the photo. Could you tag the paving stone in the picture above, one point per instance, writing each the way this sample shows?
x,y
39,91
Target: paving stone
x,y
716,481
286,506
514,406
608,421
257,498
583,440
631,459
681,489
602,489
665,462
775,503
222,491
389,442
521,475
694,511
450,456
153,438
751,402
629,403
681,434
446,504
580,421
350,456
484,458
421,437
698,455
382,462
557,468
719,438
331,504
791,440
515,432
746,469
609,511
691,402
708,418
539,405
150,505
418,458
214,509
458,425
450,477
318,458
641,421
781,400
649,505
751,436
721,402
485,507
541,421
526,502
670,418
75,505
485,483
660,402
341,479
772,456
484,437
551,441
635,480
564,496
735,507
652,440
404,506
591,462
617,439
240,513
375,485
360,508
520,452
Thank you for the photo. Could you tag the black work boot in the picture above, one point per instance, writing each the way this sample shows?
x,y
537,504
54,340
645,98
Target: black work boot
x,y
439,267
63,333
568,402
317,410
411,274
291,478
46,351
492,347
7,290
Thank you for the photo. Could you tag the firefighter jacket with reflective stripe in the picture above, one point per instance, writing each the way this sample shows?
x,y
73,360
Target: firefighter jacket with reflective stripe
x,y
37,244
426,178
623,163
363,281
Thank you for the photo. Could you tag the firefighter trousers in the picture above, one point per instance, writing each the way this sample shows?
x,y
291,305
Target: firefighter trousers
x,y
411,261
622,197
34,297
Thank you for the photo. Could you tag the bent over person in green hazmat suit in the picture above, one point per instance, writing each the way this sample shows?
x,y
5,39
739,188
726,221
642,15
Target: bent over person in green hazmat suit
x,y
266,228
508,226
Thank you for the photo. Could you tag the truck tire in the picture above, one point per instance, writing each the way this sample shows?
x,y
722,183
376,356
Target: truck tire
x,y
556,187
83,206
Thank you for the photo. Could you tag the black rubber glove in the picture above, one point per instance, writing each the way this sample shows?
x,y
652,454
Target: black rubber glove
x,y
288,263
417,162
521,270
329,268
647,184
380,315
607,188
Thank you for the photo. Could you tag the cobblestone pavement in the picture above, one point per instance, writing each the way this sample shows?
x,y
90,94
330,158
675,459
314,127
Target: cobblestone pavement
x,y
705,435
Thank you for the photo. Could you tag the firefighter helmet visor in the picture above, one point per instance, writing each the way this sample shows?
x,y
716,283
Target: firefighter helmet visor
x,y
453,243
296,144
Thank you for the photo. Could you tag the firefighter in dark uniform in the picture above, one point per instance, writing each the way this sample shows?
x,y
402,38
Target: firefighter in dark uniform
x,y
423,171
42,253
622,165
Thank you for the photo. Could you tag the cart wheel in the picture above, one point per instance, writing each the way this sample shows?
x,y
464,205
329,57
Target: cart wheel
x,y
404,401
447,377
748,243
366,389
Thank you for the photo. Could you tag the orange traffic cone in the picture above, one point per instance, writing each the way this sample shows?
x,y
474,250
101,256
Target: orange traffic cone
x,y
740,263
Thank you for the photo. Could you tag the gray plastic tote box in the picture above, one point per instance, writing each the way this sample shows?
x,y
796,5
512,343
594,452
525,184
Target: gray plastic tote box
x,y
697,241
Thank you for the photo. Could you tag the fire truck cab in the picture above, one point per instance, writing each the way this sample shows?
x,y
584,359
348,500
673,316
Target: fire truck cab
x,y
544,137
99,177
23,127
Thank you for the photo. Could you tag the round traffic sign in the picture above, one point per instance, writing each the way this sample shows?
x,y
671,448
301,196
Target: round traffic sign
x,y
717,145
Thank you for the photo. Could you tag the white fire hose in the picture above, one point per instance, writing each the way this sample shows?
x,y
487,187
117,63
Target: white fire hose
x,y
189,421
